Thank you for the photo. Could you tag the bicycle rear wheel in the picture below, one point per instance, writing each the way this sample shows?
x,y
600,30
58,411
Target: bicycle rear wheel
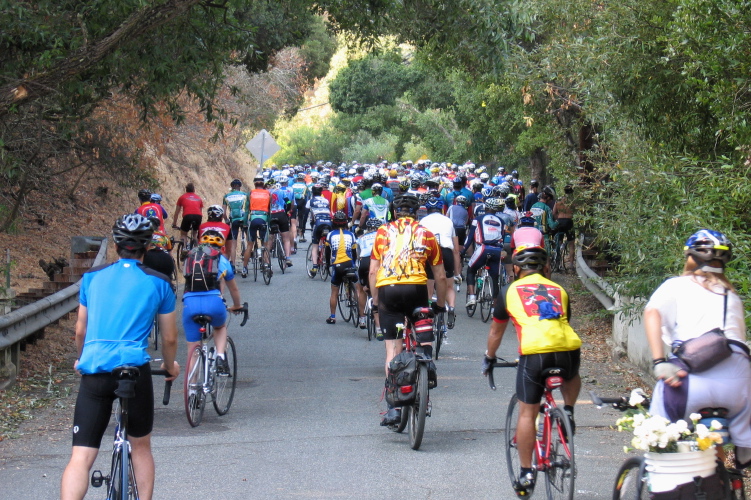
x,y
280,257
266,266
631,481
255,267
342,300
470,309
485,298
115,486
354,306
370,322
419,409
195,398
561,474
513,463
323,269
309,260
224,385
438,326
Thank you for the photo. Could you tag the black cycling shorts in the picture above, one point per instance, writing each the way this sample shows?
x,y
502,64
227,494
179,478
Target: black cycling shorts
x,y
190,223
281,219
363,270
566,226
257,229
397,301
319,227
529,383
94,407
448,264
338,271
235,228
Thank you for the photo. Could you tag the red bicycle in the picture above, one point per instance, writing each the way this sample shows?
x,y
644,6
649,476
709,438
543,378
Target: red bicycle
x,y
554,447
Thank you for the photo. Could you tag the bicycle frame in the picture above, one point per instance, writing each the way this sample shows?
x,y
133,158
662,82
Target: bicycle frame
x,y
544,442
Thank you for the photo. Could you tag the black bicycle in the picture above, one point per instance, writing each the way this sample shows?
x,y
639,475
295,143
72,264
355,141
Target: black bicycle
x,y
121,481
347,298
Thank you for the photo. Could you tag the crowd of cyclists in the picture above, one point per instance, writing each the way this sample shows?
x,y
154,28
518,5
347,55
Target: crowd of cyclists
x,y
405,230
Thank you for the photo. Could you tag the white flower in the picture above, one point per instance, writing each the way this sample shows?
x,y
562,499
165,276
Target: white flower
x,y
400,326
637,397
701,431
695,417
715,426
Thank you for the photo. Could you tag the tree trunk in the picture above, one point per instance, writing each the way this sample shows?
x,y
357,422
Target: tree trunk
x,y
538,166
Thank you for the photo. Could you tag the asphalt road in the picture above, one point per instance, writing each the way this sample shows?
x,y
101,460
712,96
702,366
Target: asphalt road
x,y
305,419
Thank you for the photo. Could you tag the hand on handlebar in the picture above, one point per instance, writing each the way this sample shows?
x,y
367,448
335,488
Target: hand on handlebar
x,y
174,371
487,364
236,309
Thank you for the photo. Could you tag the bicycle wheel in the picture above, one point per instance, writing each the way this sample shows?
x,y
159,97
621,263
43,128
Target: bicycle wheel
x,y
195,398
420,409
485,298
405,413
342,300
266,266
513,463
179,249
470,309
438,325
224,385
354,306
281,259
243,247
370,322
561,474
255,266
631,481
323,269
309,260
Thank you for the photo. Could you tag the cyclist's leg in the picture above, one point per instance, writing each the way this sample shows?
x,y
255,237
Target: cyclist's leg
x,y
475,263
529,391
143,465
450,266
494,261
75,480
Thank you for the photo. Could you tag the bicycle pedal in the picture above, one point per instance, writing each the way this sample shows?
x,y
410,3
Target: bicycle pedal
x,y
97,479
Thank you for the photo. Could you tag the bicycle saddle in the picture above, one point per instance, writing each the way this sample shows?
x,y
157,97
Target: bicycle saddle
x,y
126,372
202,319
553,377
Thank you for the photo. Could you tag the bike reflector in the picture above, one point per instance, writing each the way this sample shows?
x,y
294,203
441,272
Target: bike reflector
x,y
405,389
554,382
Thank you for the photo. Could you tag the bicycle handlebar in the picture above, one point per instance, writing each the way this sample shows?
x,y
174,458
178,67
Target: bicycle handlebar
x,y
620,403
244,310
500,364
167,385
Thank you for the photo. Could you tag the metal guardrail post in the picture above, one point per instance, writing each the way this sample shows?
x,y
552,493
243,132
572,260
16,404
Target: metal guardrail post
x,y
600,288
23,322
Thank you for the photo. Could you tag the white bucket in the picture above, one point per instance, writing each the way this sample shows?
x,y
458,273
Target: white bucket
x,y
666,471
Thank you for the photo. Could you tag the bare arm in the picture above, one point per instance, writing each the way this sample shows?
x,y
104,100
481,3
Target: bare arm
x,y
495,335
168,331
653,327
439,275
235,294
372,274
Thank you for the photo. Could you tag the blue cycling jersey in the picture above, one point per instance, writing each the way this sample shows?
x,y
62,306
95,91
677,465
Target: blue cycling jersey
x,y
119,336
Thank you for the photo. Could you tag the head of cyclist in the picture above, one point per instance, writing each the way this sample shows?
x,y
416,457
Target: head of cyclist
x,y
529,258
340,188
270,183
404,186
258,182
131,233
214,213
501,190
339,220
144,196
376,189
458,184
493,205
709,250
300,176
511,202
317,190
406,205
213,238
373,224
527,220
190,188
434,205
156,198
461,200
236,184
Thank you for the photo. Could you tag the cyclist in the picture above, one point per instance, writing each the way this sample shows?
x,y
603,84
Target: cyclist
x,y
540,310
156,199
488,239
157,255
532,197
443,229
543,214
260,209
280,206
563,213
401,251
364,249
685,307
235,204
205,269
375,207
341,253
321,218
459,217
191,206
118,303
301,193
150,209
214,221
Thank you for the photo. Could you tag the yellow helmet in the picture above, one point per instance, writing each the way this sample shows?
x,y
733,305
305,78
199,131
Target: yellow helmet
x,y
212,238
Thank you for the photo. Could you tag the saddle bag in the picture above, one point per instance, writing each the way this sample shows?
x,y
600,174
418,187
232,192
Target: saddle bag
x,y
400,381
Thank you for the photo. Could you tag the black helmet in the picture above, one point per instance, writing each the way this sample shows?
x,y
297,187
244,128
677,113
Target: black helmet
x,y
144,195
258,180
339,219
132,232
317,189
376,189
236,182
215,211
406,202
532,257
373,223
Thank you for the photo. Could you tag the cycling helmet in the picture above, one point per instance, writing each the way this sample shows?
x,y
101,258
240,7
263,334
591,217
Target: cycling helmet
x,y
301,176
236,183
132,232
487,192
501,191
458,183
460,200
339,219
527,220
434,204
156,198
212,237
316,190
215,211
484,177
495,204
406,202
377,189
258,181
415,182
373,223
423,197
529,257
706,245
144,195
270,183
404,185
340,188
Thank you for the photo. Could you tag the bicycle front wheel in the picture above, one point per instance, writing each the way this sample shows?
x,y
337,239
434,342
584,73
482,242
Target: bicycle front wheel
x,y
224,384
631,481
561,474
195,375
255,266
370,323
309,260
354,306
513,463
342,299
485,298
420,409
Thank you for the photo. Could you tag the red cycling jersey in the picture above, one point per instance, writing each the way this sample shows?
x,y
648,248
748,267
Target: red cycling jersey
x,y
220,227
192,204
149,210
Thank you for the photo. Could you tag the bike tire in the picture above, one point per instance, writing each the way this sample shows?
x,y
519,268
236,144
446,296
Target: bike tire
x,y
255,267
224,385
631,481
419,409
323,269
370,323
243,247
404,420
266,268
281,259
195,398
485,298
470,309
309,260
341,300
513,463
561,475
438,323
354,305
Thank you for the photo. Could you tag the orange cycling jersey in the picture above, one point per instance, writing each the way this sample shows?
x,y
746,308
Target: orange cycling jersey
x,y
404,248
260,200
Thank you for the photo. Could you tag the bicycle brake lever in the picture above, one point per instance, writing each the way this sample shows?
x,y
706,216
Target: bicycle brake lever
x,y
245,314
491,380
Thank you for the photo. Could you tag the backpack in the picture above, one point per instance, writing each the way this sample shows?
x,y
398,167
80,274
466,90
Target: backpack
x,y
202,269
402,372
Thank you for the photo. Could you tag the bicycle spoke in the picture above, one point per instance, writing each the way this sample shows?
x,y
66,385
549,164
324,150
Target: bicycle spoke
x,y
631,482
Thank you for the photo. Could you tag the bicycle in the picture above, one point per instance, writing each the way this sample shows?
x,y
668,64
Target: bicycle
x,y
277,247
121,481
323,270
201,379
370,319
632,479
439,332
559,253
182,248
347,298
553,453
414,415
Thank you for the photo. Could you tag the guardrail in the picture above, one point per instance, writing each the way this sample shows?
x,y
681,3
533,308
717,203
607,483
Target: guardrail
x,y
18,325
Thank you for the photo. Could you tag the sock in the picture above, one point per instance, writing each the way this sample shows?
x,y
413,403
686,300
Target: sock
x,y
569,409
527,470
333,316
220,355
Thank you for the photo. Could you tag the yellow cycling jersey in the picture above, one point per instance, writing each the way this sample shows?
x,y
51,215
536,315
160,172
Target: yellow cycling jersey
x,y
539,309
